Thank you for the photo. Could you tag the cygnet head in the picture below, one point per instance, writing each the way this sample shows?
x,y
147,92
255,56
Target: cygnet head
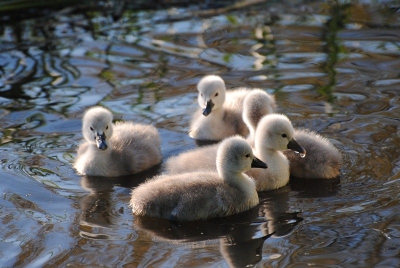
x,y
255,105
235,155
275,131
97,127
211,93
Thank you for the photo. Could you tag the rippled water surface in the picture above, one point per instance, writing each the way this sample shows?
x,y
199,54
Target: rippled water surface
x,y
334,68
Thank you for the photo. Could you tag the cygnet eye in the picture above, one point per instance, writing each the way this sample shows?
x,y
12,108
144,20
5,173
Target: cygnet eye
x,y
247,155
216,94
284,135
106,127
91,129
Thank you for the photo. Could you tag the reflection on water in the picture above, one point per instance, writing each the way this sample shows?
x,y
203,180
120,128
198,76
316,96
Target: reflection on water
x,y
332,46
96,205
333,68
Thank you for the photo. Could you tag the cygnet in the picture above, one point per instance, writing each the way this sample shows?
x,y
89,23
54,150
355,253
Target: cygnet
x,y
323,158
274,134
204,194
112,150
220,113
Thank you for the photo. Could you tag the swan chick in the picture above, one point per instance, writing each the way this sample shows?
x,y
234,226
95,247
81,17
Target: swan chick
x,y
274,134
323,159
220,113
204,194
112,150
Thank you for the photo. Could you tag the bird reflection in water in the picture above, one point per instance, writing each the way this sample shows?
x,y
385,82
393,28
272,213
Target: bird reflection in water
x,y
98,208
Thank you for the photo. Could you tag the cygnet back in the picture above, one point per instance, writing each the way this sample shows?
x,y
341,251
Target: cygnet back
x,y
202,158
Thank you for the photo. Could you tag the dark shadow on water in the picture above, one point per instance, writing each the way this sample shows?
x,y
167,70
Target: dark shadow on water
x,y
201,143
97,206
98,184
274,207
310,188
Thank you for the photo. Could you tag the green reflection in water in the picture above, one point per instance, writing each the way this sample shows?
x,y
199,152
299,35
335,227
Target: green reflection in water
x,y
333,46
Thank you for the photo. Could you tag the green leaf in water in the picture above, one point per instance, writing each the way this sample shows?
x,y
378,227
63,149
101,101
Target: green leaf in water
x,y
108,76
232,19
227,58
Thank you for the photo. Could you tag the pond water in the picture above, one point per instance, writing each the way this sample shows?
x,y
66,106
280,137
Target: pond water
x,y
333,68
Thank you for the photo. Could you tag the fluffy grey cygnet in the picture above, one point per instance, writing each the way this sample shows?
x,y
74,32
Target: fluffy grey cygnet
x,y
274,134
323,159
220,113
112,150
204,194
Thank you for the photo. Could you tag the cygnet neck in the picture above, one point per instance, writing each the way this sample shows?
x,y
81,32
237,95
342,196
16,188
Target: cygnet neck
x,y
278,165
251,125
217,112
226,173
251,137
263,150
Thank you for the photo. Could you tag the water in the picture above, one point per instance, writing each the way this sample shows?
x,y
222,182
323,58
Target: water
x,y
144,68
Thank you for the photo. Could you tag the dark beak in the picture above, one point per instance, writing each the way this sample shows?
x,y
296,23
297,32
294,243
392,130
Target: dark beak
x,y
257,163
101,141
294,146
208,109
